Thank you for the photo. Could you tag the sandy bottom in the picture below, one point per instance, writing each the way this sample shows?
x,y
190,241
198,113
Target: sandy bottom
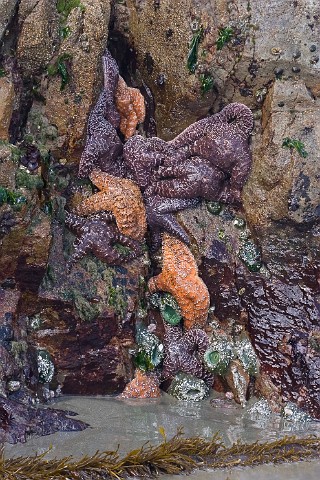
x,y
128,424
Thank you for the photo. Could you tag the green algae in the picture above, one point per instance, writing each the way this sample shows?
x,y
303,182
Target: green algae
x,y
224,36
11,198
207,82
295,144
25,179
193,50
60,67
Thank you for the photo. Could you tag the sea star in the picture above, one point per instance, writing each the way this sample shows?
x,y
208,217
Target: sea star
x,y
144,155
193,178
98,234
103,147
179,277
142,386
223,140
184,353
123,198
160,217
130,104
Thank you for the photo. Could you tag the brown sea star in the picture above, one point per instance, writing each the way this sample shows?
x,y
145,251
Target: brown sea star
x,y
120,196
130,104
179,277
184,353
99,234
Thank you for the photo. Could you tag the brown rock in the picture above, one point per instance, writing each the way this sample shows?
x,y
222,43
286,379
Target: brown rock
x,y
283,184
68,109
7,9
38,36
6,106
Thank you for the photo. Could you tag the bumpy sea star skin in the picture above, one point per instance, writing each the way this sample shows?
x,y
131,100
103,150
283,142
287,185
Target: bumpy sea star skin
x,y
120,196
160,217
103,146
184,353
222,139
142,386
144,155
111,79
193,178
179,277
130,104
99,234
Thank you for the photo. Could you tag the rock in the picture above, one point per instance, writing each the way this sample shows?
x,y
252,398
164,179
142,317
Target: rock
x,y
80,54
38,37
7,9
18,420
241,65
7,98
283,184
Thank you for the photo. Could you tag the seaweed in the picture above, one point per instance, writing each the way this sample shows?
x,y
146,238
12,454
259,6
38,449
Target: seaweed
x,y
64,7
206,80
60,67
293,143
193,50
224,36
10,197
173,456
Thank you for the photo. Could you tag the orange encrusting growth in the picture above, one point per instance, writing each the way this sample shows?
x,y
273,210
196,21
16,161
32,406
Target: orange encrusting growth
x,y
179,277
120,196
130,104
142,386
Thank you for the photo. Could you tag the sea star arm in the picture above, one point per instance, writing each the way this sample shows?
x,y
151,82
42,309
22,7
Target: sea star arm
x,y
134,245
157,283
81,248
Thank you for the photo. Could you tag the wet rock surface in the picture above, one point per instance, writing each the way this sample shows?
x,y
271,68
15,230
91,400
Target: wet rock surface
x,y
19,420
260,261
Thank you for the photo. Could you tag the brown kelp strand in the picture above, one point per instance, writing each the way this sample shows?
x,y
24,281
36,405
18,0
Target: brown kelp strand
x,y
173,456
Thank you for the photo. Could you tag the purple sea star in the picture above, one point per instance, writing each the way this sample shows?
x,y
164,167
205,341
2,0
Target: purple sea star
x,y
223,140
184,353
99,234
103,147
193,178
160,217
143,156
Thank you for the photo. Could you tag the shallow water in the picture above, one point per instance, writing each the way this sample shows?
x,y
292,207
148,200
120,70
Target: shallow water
x,y
130,423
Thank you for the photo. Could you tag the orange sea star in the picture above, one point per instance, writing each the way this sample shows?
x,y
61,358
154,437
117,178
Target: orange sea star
x,y
120,196
179,277
130,104
142,386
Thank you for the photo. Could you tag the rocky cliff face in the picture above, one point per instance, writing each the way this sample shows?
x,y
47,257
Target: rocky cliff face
x,y
193,58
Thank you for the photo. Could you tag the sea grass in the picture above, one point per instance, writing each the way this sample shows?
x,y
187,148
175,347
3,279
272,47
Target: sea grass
x,y
174,456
